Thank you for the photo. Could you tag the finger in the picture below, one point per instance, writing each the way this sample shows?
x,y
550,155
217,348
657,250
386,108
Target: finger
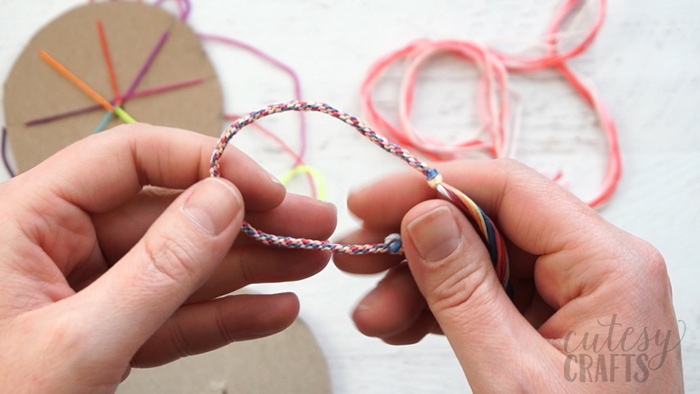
x,y
260,264
392,307
452,269
129,157
519,200
516,197
248,261
369,263
177,254
425,324
379,206
297,216
117,231
198,328
120,229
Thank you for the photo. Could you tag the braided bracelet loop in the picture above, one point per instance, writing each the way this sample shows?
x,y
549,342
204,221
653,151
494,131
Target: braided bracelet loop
x,y
392,244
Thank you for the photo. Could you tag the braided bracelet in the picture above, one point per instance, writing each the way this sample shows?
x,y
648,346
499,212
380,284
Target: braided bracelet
x,y
392,244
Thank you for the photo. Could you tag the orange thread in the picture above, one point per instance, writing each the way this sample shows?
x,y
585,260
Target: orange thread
x,y
76,81
108,60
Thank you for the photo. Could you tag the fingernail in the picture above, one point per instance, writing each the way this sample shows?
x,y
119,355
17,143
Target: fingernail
x,y
274,179
435,234
212,205
369,300
330,205
359,190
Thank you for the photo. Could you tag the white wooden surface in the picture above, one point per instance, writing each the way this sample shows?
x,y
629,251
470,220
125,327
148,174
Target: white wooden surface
x,y
644,64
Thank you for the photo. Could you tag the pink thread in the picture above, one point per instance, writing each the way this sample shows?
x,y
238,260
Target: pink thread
x,y
493,102
147,64
183,7
281,66
298,160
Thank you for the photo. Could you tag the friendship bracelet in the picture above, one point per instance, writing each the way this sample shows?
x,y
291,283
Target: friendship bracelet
x,y
392,244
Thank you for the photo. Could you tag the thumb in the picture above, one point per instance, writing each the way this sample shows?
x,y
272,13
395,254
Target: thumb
x,y
174,258
452,269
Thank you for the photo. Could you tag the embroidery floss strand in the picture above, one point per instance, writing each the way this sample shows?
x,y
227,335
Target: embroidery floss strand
x,y
85,88
499,121
3,149
91,108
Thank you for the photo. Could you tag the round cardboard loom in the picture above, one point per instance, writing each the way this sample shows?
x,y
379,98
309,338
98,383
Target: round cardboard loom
x,y
34,89
290,361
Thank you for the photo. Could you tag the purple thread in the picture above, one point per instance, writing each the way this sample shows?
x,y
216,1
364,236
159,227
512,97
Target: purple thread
x,y
5,160
183,5
125,98
279,65
166,88
146,65
187,7
51,118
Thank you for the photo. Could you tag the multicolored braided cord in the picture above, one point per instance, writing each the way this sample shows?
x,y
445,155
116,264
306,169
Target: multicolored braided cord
x,y
392,244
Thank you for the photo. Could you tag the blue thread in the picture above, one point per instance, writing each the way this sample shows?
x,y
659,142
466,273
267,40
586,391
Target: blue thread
x,y
103,123
432,174
393,243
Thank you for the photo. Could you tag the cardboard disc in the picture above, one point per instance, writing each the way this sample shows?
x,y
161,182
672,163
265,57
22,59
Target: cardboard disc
x,y
288,362
34,89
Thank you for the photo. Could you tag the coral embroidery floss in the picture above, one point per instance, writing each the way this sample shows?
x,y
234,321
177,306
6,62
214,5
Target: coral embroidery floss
x,y
392,244
496,114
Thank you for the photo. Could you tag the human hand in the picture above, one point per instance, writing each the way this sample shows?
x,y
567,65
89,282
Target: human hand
x,y
99,272
592,307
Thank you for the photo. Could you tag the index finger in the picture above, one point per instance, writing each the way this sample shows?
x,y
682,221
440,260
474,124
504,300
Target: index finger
x,y
533,212
103,171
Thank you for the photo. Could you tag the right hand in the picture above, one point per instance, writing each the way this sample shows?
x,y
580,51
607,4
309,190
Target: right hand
x,y
574,275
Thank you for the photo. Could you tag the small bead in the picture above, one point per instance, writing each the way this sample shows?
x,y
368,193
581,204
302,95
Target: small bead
x,y
434,178
393,243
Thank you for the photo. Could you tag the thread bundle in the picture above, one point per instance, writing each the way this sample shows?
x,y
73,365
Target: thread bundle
x,y
494,108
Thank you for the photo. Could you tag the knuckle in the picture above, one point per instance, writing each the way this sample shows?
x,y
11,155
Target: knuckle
x,y
636,265
652,263
508,163
178,339
173,258
247,260
224,330
467,285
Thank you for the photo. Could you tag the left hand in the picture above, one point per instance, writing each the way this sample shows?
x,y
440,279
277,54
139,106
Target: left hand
x,y
113,255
